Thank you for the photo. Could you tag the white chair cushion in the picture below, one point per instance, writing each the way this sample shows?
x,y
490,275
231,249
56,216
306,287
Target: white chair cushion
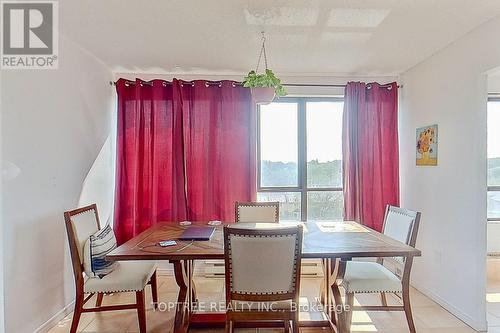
x,y
127,276
398,226
84,225
262,264
370,277
257,214
260,306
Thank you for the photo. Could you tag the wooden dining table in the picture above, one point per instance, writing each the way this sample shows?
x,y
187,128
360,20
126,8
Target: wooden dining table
x,y
329,242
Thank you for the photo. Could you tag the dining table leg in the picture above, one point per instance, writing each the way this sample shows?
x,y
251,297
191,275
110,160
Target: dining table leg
x,y
183,278
339,310
323,285
181,322
332,269
325,297
327,281
191,286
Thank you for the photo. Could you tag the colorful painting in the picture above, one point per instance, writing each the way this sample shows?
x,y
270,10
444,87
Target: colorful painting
x,y
427,145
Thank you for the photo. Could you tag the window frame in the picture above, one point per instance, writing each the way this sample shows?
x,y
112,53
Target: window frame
x,y
301,187
492,188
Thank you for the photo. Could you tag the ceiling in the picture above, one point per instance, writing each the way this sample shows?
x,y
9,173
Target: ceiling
x,y
304,37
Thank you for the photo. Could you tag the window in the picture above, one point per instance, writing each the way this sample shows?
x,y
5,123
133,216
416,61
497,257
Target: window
x,y
300,157
494,159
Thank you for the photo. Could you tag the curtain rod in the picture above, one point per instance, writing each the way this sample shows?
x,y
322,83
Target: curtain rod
x,y
239,83
326,85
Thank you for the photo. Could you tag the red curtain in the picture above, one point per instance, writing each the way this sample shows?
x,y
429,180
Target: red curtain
x,y
184,151
370,152
219,127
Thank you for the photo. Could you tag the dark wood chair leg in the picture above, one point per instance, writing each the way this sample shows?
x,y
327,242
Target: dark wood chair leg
x,y
77,313
154,290
407,307
141,310
286,324
383,298
98,301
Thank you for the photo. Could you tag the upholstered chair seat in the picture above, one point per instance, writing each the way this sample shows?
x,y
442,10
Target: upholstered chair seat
x,y
256,212
370,277
127,276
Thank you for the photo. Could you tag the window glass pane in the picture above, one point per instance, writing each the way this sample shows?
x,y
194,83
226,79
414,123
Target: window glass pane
x,y
279,145
494,143
289,203
493,204
325,205
324,144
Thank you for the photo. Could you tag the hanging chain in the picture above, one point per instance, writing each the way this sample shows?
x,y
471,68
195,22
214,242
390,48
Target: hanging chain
x,y
262,51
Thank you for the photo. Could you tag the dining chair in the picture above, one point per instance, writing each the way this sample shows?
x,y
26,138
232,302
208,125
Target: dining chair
x,y
257,212
262,275
249,212
386,275
128,276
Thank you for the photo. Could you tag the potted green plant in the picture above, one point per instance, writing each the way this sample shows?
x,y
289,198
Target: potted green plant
x,y
264,86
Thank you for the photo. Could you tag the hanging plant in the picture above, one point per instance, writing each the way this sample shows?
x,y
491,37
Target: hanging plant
x,y
264,80
266,85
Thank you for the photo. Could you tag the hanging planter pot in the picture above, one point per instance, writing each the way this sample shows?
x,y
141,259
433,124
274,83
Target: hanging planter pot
x,y
264,87
263,95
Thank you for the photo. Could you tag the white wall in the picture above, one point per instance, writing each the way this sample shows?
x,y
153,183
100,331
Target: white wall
x,y
2,306
54,123
494,82
450,89
99,186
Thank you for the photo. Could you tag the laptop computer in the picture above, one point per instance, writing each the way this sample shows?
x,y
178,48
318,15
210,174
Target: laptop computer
x,y
197,233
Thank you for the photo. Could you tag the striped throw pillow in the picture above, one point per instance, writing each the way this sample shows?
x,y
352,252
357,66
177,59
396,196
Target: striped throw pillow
x,y
96,248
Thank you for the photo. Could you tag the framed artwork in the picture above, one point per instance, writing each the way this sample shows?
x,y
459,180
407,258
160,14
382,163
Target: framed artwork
x,y
427,145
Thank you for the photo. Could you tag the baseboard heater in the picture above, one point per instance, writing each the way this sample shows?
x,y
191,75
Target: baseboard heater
x,y
309,268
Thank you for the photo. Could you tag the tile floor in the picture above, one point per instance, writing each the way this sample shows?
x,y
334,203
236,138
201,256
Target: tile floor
x,y
429,316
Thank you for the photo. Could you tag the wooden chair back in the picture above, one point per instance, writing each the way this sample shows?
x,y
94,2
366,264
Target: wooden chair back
x,y
266,212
